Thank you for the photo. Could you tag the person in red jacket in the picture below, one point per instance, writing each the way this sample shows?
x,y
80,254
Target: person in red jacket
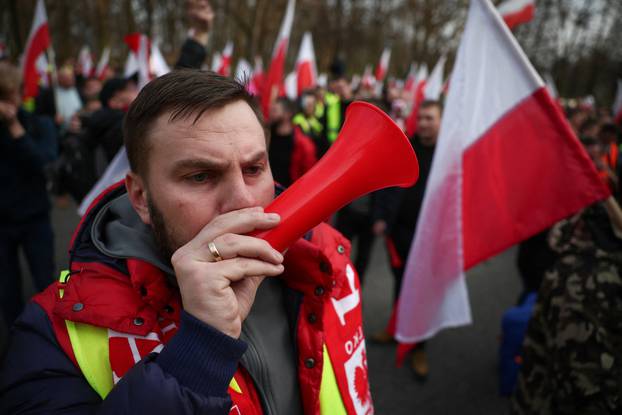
x,y
291,152
169,306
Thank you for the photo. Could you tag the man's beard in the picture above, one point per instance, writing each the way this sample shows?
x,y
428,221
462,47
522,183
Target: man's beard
x,y
164,241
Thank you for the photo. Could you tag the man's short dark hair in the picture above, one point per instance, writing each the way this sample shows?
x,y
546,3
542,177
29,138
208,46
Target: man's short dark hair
x,y
185,93
289,106
431,103
110,89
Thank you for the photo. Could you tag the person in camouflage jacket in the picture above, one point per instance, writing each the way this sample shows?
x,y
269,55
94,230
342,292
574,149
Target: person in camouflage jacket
x,y
573,345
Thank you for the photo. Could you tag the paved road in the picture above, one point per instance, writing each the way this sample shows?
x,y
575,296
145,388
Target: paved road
x,y
462,361
463,377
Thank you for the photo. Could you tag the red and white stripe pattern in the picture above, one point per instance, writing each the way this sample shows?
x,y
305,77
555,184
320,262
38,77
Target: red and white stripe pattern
x,y
417,99
274,79
383,65
306,69
516,12
224,67
138,58
503,161
38,42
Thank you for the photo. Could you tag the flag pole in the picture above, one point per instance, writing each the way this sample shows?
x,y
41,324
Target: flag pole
x,y
54,75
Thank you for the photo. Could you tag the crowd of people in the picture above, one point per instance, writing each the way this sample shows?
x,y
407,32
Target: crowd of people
x,y
573,344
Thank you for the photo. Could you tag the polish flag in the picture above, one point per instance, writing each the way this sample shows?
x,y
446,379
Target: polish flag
x,y
38,42
243,71
434,84
138,58
216,60
256,82
157,63
274,79
355,81
224,68
368,81
306,70
411,79
504,159
115,172
516,12
85,62
419,96
102,65
550,84
383,65
617,104
43,70
291,86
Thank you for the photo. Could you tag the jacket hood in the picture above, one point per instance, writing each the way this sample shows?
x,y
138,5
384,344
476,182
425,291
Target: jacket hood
x,y
118,232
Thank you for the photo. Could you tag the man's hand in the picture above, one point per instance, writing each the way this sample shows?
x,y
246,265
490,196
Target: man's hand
x,y
8,112
221,293
8,116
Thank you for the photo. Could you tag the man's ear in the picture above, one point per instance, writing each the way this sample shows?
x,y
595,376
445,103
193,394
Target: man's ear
x,y
137,192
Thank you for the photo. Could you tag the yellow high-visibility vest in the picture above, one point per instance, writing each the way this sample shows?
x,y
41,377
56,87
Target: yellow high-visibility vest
x,y
91,348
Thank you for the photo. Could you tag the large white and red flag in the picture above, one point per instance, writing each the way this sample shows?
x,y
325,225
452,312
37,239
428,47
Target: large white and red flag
x,y
434,84
102,65
274,79
617,104
138,58
504,159
417,98
516,12
224,66
38,42
85,62
550,84
383,65
306,69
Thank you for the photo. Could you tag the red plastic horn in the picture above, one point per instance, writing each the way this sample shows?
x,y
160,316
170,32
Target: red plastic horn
x,y
370,153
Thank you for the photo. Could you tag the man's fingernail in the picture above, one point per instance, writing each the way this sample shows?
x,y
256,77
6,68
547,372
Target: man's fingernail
x,y
274,216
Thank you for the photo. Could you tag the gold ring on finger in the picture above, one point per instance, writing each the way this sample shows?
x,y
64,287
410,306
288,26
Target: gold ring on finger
x,y
214,251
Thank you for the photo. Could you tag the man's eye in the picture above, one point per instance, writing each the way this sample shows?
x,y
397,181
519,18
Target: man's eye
x,y
199,177
254,170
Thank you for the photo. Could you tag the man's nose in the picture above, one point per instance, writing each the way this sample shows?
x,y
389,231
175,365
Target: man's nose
x,y
238,195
